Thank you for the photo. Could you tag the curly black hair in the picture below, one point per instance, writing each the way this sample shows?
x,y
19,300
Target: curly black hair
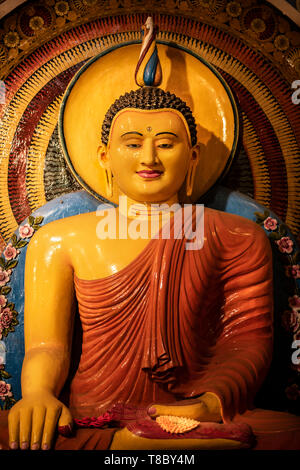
x,y
147,98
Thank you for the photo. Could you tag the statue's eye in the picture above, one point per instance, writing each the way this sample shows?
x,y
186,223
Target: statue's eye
x,y
165,146
133,146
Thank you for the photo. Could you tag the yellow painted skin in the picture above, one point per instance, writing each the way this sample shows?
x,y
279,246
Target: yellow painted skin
x,y
68,246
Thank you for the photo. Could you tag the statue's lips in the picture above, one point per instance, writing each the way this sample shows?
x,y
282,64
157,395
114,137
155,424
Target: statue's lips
x,y
149,174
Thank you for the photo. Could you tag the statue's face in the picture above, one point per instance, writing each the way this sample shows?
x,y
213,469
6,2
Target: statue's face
x,y
149,153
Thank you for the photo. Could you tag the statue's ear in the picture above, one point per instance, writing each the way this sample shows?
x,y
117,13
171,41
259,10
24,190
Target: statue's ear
x,y
195,154
103,156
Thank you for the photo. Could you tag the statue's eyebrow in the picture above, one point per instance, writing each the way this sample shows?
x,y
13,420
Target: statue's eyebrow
x,y
172,133
132,132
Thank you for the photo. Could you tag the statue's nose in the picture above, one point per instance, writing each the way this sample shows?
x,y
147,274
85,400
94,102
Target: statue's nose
x,y
149,155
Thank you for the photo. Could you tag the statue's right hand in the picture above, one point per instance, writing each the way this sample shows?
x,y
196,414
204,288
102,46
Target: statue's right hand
x,y
32,421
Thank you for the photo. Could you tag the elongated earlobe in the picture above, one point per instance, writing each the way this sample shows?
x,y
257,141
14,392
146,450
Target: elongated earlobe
x,y
190,177
109,183
104,163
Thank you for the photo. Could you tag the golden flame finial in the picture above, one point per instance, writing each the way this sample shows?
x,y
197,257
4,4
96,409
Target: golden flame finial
x,y
148,70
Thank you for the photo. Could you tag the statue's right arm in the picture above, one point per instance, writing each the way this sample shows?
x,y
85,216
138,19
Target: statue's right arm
x,y
48,327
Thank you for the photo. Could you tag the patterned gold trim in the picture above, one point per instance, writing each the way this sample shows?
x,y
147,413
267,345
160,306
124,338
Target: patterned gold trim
x,y
36,155
259,168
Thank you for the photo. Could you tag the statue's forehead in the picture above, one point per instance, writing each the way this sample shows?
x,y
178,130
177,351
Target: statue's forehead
x,y
148,118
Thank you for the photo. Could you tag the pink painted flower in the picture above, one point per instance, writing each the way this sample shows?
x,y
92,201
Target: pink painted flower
x,y
3,301
26,231
285,245
294,303
10,252
6,317
4,277
5,390
293,271
270,224
291,320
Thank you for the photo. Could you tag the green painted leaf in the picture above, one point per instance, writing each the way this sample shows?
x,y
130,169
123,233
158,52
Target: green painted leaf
x,y
2,263
11,305
274,236
259,215
4,374
38,220
5,290
12,264
296,257
31,220
21,244
14,240
36,227
282,230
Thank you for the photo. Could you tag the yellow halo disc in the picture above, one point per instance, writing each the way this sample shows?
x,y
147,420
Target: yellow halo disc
x,y
111,74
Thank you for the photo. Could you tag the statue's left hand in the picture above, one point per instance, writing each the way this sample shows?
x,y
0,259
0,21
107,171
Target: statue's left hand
x,y
205,408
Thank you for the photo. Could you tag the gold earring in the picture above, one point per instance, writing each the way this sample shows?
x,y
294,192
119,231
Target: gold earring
x,y
109,183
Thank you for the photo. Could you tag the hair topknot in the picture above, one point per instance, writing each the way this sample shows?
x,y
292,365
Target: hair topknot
x,y
149,98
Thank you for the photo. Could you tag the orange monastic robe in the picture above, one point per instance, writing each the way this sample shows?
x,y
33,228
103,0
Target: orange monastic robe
x,y
176,323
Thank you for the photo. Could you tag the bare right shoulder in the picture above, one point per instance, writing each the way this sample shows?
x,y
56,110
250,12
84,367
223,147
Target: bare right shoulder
x,y
61,235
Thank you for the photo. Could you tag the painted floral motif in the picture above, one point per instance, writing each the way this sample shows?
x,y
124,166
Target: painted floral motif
x,y
26,231
293,271
36,23
281,42
6,396
285,245
290,318
8,314
258,25
234,9
61,8
10,252
294,303
11,39
8,261
293,392
270,224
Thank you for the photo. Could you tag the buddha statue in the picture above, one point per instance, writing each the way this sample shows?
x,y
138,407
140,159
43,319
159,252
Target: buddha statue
x,y
166,330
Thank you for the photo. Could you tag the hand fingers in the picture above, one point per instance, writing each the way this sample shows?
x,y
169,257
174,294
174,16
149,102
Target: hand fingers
x,y
65,422
51,419
38,418
194,411
25,427
13,428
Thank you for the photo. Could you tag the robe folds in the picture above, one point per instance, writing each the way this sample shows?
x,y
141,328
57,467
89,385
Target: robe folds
x,y
176,323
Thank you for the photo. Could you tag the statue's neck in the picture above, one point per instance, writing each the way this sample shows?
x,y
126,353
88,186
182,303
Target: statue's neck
x,y
133,209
